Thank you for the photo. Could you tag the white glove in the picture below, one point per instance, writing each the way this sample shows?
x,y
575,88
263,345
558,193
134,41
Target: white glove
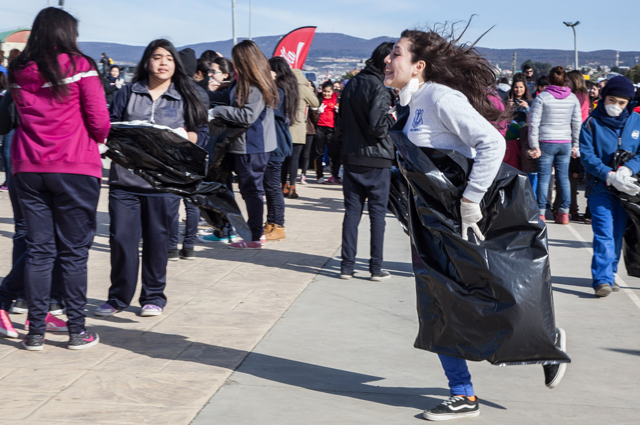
x,y
102,148
181,131
321,108
471,214
623,181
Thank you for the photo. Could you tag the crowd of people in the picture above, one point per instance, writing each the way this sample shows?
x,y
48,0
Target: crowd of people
x,y
552,127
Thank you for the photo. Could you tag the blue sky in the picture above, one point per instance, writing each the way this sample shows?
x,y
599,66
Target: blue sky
x,y
519,24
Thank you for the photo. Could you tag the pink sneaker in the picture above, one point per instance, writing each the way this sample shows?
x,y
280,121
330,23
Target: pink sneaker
x,y
6,327
246,245
263,239
53,324
4,187
333,180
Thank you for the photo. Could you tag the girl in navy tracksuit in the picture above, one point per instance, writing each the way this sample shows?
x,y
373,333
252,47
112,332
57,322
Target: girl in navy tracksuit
x,y
250,101
612,125
162,94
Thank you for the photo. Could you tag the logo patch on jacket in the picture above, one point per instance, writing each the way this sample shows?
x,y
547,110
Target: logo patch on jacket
x,y
635,134
417,119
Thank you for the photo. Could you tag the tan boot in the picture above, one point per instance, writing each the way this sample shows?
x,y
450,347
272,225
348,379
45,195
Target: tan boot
x,y
292,192
285,190
276,234
268,227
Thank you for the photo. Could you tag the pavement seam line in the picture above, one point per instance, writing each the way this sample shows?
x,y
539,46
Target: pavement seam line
x,y
623,285
56,394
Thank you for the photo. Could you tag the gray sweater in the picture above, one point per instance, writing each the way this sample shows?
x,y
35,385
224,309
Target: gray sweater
x,y
443,118
553,119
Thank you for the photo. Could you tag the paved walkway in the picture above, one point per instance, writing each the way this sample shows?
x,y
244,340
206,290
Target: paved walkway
x,y
340,352
163,370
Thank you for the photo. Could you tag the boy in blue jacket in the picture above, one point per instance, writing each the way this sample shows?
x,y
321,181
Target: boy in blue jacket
x,y
612,125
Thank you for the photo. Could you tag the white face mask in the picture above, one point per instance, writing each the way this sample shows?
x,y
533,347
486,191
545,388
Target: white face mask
x,y
613,110
408,91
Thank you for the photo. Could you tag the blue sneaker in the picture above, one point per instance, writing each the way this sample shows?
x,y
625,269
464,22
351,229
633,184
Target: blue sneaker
x,y
213,237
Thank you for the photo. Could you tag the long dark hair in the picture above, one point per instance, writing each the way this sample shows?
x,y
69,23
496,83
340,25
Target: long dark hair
x,y
225,65
286,81
379,54
195,114
457,66
204,66
252,69
520,78
54,32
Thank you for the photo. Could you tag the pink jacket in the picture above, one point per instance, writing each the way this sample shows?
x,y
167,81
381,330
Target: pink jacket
x,y
60,136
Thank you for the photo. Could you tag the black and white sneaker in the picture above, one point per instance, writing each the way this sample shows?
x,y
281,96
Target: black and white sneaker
x,y
457,406
187,254
20,306
83,340
347,276
33,342
377,277
173,255
553,373
56,308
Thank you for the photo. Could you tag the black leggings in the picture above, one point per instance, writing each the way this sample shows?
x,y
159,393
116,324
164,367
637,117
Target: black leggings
x,y
306,154
290,165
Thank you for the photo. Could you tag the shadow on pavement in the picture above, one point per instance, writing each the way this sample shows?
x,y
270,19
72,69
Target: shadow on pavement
x,y
276,369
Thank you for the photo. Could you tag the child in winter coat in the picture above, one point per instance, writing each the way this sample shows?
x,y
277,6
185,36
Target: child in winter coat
x,y
612,125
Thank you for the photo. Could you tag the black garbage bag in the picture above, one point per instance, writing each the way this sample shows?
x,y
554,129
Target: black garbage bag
x,y
222,134
488,300
398,204
172,164
631,204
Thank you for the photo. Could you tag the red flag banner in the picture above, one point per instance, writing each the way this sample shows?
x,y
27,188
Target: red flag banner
x,y
294,46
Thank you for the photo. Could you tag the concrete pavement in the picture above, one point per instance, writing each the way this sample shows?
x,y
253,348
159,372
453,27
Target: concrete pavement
x,y
342,353
307,347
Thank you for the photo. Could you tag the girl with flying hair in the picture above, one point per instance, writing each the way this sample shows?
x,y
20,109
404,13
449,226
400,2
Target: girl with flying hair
x,y
445,85
57,169
161,93
250,101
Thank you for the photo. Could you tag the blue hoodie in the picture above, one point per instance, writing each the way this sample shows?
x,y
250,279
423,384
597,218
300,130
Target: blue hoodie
x,y
602,136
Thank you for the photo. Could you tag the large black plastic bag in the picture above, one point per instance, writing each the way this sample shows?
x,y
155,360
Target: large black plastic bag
x,y
172,164
488,300
631,204
398,204
222,134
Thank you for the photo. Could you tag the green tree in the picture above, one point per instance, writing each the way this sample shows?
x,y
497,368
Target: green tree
x,y
539,68
599,69
616,69
633,74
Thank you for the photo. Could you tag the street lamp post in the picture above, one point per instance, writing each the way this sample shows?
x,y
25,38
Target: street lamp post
x,y
233,21
575,40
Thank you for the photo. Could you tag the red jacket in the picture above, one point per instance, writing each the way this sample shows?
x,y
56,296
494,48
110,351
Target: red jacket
x,y
60,136
328,117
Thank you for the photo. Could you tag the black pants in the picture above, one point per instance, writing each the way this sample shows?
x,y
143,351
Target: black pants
x,y
305,157
273,190
250,169
12,286
190,228
134,216
362,184
291,165
60,216
325,137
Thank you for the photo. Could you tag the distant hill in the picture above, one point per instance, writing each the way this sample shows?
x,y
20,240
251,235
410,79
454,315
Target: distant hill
x,y
331,48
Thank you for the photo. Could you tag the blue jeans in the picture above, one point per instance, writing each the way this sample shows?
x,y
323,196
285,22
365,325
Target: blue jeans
x,y
533,178
458,375
558,155
6,155
608,220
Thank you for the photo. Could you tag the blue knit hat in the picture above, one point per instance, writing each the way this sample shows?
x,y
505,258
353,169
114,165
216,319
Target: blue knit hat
x,y
619,86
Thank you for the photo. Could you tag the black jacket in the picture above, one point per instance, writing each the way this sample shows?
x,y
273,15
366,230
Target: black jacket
x,y
8,113
366,121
